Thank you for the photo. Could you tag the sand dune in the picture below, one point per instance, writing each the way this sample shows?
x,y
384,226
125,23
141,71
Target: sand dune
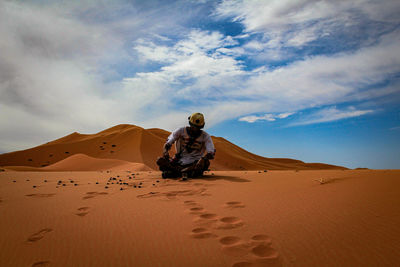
x,y
134,144
81,162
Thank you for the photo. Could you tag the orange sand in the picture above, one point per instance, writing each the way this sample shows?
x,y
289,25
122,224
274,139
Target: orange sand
x,y
231,218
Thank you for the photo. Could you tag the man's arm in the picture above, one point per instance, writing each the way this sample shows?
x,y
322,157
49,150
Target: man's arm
x,y
210,149
170,140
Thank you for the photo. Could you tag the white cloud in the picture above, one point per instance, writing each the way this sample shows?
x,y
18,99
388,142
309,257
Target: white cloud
x,y
295,23
330,114
266,117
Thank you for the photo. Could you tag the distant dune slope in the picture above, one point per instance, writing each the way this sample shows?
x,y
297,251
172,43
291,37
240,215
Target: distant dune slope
x,y
130,143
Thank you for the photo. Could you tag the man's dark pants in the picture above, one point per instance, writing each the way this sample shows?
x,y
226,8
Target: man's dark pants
x,y
172,169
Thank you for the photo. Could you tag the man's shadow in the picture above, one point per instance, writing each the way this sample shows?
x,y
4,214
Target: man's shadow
x,y
209,177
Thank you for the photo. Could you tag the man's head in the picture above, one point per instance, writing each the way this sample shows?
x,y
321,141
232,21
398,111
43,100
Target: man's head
x,y
196,121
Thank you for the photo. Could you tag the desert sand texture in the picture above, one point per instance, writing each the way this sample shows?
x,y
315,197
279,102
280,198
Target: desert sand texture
x,y
227,218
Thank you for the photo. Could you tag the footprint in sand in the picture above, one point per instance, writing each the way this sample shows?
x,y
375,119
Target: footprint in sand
x,y
82,211
208,216
41,264
93,194
39,235
202,233
190,202
265,251
40,195
229,222
196,210
234,204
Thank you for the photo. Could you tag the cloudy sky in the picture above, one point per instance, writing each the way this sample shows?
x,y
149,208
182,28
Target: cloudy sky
x,y
313,80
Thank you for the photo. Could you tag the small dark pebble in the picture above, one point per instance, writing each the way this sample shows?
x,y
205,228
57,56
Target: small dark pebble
x,y
121,188
106,187
265,170
60,182
45,181
117,175
27,180
113,145
34,186
75,184
134,186
71,182
112,183
66,152
97,182
139,186
104,142
154,184
14,181
157,181
63,184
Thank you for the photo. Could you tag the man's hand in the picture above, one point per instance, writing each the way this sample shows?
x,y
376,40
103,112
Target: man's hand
x,y
209,155
167,147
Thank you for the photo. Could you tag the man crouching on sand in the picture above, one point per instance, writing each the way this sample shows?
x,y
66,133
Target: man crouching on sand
x,y
191,144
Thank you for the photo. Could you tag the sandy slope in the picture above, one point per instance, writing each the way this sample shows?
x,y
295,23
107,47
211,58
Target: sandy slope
x,y
135,144
82,162
231,218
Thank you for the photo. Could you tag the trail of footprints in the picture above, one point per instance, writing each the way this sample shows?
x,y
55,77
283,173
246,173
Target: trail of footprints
x,y
257,251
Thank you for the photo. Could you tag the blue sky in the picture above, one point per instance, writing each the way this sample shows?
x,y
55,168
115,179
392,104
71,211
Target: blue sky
x,y
312,80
